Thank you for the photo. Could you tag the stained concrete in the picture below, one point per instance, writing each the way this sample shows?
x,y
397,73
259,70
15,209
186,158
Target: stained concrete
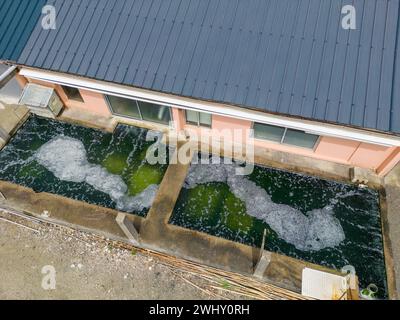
x,y
106,123
11,118
268,157
88,119
392,189
64,210
156,233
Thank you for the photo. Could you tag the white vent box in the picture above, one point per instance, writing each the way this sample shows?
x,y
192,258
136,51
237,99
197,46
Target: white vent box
x,y
41,100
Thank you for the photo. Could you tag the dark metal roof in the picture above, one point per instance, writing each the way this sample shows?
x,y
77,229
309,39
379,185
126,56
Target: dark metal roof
x,y
17,20
289,57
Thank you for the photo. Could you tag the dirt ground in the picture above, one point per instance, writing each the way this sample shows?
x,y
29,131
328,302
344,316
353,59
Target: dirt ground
x,y
85,269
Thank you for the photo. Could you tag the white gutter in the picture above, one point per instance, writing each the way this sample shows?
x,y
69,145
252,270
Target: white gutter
x,y
4,77
214,108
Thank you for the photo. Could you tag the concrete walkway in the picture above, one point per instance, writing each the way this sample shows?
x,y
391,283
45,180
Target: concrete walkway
x,y
11,117
392,188
157,234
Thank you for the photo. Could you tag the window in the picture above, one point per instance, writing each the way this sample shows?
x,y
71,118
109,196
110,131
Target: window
x,y
198,118
284,135
154,112
72,93
139,109
267,132
300,138
124,107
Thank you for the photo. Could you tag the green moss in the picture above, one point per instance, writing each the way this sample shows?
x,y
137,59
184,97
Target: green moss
x,y
144,176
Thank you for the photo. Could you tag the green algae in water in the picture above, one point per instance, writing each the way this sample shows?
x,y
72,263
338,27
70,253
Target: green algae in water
x,y
144,176
121,153
212,208
115,163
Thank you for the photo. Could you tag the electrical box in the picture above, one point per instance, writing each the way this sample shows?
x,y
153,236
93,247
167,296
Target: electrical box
x,y
41,100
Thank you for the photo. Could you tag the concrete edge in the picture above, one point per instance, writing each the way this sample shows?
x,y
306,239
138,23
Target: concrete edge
x,y
387,248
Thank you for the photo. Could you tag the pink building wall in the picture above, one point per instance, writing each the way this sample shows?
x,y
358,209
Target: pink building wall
x,y
93,101
378,158
338,150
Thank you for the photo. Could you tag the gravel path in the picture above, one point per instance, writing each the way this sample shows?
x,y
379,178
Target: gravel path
x,y
85,269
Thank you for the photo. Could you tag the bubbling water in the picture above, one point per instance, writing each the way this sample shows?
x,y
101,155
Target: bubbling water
x,y
66,158
316,230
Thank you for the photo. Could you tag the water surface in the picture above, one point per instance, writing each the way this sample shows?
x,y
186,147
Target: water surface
x,y
34,158
219,208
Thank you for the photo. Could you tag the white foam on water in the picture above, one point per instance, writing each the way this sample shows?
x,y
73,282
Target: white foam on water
x,y
316,230
66,158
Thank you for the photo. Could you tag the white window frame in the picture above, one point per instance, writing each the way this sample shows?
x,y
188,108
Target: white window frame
x,y
281,142
140,111
198,124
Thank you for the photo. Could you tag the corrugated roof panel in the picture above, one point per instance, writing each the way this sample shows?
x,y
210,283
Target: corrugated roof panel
x,y
192,76
110,25
176,53
385,97
395,105
274,57
124,41
147,41
260,61
362,80
291,40
87,41
375,68
253,50
98,41
159,35
74,26
17,30
17,21
159,38
219,61
133,43
51,53
289,57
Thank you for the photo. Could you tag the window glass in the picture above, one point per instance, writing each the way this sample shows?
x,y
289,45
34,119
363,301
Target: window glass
x,y
72,93
198,118
205,119
265,131
124,107
192,117
300,138
154,112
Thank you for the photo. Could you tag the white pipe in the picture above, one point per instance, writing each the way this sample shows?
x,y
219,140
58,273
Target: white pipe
x,y
7,73
214,108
